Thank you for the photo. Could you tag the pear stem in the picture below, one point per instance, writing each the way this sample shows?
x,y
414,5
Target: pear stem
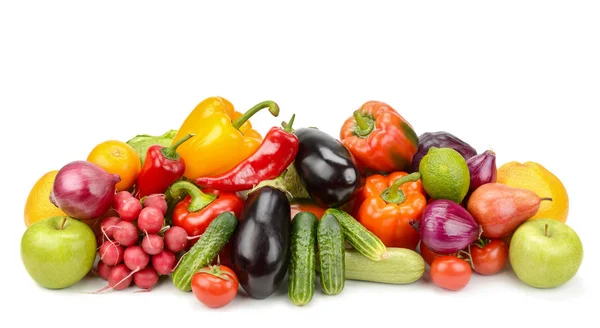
x,y
546,230
62,223
546,198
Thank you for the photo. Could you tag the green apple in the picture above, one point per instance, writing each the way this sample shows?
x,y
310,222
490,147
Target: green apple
x,y
58,251
545,253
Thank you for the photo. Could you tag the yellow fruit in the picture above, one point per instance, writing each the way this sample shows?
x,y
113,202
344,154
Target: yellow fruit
x,y
535,177
38,205
117,157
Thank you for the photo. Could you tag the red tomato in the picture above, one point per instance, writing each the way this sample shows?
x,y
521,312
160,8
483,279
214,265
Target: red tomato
x,y
429,255
306,205
450,272
491,258
215,286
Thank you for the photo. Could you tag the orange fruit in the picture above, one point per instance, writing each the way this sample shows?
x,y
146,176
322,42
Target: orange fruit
x,y
38,205
533,176
117,157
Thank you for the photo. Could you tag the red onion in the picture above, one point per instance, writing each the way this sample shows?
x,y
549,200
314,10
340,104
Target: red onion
x,y
482,169
83,190
447,227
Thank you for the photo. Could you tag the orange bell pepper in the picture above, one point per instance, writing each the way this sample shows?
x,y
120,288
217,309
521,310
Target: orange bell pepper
x,y
387,204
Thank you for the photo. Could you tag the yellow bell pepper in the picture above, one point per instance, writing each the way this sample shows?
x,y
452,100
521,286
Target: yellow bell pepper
x,y
223,137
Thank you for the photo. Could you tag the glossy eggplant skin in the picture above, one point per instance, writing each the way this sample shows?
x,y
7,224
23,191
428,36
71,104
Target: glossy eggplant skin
x,y
326,168
261,242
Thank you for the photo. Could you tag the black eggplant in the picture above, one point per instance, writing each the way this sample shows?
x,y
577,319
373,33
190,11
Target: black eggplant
x,y
260,250
326,168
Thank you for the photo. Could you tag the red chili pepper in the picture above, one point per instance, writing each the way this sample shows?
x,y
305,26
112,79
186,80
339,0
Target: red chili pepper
x,y
198,209
275,154
162,167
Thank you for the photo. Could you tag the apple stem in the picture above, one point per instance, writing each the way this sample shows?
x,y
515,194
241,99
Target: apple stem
x,y
546,198
62,224
546,230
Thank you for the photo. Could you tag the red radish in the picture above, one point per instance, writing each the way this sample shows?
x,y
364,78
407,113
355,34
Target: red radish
x,y
164,262
111,253
157,201
150,220
135,259
120,278
152,244
145,279
103,270
108,226
120,196
129,208
176,239
126,233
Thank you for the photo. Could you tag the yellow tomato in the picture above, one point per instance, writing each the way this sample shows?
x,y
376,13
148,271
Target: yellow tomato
x,y
117,157
38,205
535,177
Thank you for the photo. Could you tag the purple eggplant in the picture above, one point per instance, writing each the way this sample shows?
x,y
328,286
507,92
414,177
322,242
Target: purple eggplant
x,y
482,169
440,139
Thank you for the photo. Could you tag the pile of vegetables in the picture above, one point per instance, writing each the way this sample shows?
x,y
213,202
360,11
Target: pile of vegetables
x,y
216,206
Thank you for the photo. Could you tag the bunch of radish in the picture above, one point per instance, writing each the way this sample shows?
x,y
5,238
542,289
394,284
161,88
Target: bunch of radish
x,y
135,246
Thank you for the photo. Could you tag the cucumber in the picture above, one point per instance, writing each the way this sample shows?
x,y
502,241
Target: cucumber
x,y
363,240
330,240
302,274
402,266
204,250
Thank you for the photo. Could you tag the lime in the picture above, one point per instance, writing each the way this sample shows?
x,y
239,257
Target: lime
x,y
445,174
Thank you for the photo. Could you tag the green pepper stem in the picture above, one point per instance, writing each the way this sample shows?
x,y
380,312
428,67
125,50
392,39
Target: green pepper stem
x,y
273,108
364,125
171,152
199,199
287,127
394,194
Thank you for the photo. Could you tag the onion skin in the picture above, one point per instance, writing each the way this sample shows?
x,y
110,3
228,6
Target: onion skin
x,y
482,169
83,190
447,227
440,139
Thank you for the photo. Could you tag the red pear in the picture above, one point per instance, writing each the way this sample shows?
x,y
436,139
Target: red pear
x,y
500,209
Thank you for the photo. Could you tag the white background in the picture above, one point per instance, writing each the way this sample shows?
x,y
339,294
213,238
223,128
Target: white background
x,y
521,77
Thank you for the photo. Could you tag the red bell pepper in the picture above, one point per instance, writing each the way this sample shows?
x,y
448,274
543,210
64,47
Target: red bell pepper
x,y
198,209
275,154
162,167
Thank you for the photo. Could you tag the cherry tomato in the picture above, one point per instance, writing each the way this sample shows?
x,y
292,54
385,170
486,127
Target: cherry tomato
x,y
491,258
450,272
215,286
306,205
429,255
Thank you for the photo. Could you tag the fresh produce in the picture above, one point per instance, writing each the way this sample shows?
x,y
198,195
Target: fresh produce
x,y
260,253
429,255
205,250
447,227
545,253
83,190
150,220
163,168
103,270
302,274
500,209
198,209
153,244
119,278
176,239
402,266
363,240
379,137
145,279
537,178
142,142
117,157
387,204
275,154
59,251
111,253
450,272
126,233
128,207
488,256
164,262
330,242
215,286
482,169
298,205
223,137
38,205
157,201
445,174
326,168
440,139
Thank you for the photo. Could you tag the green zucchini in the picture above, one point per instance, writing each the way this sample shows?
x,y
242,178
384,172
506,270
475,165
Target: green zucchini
x,y
302,274
330,240
361,239
204,250
402,266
